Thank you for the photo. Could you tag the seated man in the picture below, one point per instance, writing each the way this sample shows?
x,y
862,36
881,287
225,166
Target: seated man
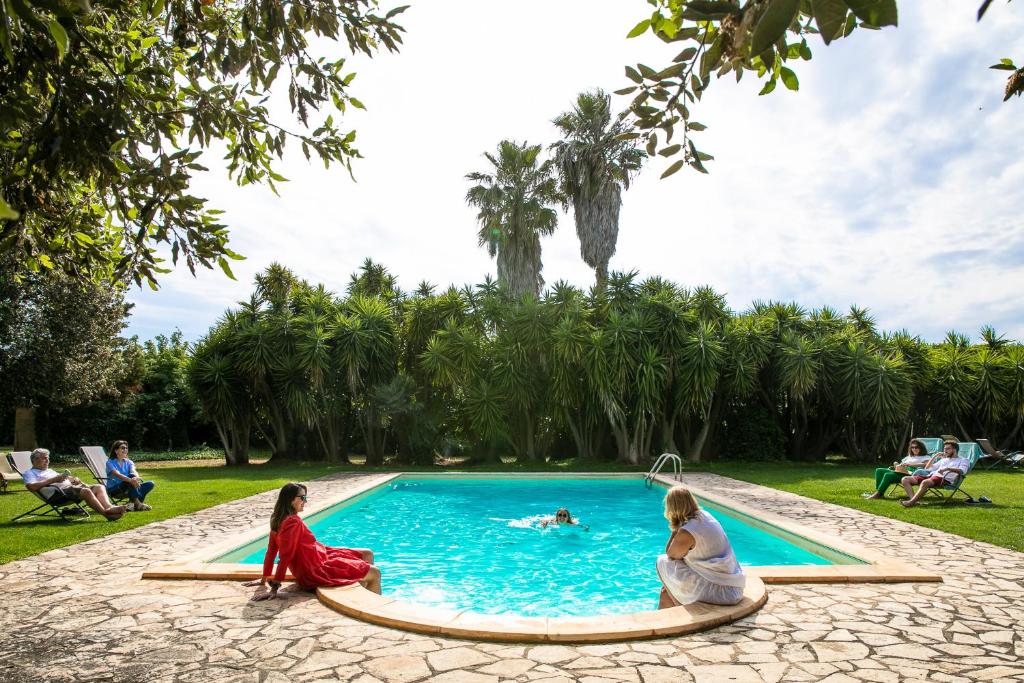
x,y
68,488
945,471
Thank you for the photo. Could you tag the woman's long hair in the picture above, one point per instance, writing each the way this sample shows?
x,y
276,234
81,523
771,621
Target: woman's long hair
x,y
919,444
113,448
283,506
680,507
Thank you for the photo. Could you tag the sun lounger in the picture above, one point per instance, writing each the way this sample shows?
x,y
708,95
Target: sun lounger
x,y
96,460
7,475
994,457
932,443
68,510
972,452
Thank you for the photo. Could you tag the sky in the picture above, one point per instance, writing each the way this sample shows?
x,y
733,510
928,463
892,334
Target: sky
x,y
892,180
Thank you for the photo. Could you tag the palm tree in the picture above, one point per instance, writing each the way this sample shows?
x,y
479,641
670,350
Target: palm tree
x,y
595,163
515,203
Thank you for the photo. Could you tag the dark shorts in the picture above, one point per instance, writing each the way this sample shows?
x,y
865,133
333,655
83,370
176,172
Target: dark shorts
x,y
71,494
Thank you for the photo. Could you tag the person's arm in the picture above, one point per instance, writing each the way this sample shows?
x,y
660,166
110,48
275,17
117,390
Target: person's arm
x,y
680,544
135,478
114,473
268,559
36,484
287,545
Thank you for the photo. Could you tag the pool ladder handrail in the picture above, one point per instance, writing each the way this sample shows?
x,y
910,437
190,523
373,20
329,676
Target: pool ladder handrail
x,y
677,468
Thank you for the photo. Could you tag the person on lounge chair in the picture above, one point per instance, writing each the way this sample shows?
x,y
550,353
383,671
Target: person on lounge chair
x,y
943,472
69,488
124,480
917,456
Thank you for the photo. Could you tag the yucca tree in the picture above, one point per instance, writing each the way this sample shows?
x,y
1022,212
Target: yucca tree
x,y
515,201
366,348
223,394
595,164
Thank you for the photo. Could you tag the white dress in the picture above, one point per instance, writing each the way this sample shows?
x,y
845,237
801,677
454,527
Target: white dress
x,y
709,572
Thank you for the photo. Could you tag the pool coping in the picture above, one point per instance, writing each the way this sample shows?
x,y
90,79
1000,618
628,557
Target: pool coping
x,y
358,602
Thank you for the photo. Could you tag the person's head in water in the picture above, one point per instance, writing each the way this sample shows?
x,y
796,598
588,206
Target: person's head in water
x,y
562,516
290,501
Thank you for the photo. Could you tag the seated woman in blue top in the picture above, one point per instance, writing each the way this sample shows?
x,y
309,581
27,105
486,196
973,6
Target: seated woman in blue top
x,y
124,480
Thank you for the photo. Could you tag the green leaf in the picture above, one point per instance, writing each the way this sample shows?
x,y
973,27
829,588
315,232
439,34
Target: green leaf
x,y
60,36
7,212
875,12
693,125
1004,65
625,91
789,78
634,75
83,238
686,55
157,9
121,166
769,86
773,24
639,29
148,42
670,150
223,263
668,27
676,165
830,16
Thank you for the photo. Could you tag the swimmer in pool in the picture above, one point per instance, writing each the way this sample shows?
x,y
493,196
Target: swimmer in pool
x,y
562,516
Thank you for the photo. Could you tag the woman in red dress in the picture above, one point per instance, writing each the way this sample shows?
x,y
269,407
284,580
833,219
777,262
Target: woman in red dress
x,y
312,563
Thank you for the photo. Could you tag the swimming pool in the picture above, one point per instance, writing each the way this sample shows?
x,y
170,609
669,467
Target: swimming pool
x,y
476,544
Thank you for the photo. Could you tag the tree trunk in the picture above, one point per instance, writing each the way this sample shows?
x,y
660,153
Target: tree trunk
x,y
698,444
374,447
531,447
668,435
24,428
601,273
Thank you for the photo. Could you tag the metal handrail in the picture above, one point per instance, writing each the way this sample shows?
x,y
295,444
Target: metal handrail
x,y
677,468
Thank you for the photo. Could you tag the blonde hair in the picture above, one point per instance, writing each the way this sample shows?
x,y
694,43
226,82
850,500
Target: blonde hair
x,y
680,507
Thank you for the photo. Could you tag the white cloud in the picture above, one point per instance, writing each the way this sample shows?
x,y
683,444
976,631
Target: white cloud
x,y
890,180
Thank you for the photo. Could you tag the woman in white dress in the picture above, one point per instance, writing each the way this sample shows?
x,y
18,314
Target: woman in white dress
x,y
698,564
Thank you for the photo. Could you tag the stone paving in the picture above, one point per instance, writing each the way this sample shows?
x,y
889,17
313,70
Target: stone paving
x,y
83,614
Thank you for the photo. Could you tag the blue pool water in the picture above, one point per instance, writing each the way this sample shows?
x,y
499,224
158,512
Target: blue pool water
x,y
477,544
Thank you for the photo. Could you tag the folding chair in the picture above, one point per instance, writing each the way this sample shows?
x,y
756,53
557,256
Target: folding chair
x,y
970,451
68,510
7,475
96,460
996,456
932,444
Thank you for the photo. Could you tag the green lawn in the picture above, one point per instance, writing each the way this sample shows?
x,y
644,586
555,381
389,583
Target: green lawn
x,y
1001,523
184,487
180,488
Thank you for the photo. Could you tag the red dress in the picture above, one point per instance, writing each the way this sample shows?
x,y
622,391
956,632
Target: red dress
x,y
312,563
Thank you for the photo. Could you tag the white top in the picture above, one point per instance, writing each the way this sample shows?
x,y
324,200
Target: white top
x,y
916,460
956,462
712,557
37,476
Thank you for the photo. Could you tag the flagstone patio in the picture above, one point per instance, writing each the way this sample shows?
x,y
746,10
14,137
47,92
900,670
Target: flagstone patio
x,y
84,614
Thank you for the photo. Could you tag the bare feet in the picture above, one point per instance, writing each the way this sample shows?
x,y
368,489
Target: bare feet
x,y
908,503
872,496
115,513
